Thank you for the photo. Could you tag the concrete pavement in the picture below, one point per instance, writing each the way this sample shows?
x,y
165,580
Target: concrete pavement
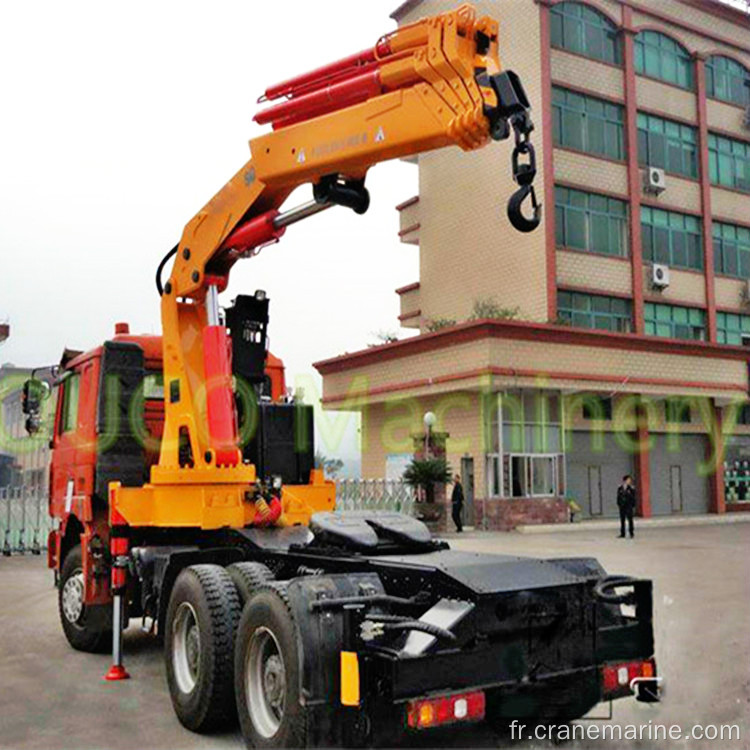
x,y
53,697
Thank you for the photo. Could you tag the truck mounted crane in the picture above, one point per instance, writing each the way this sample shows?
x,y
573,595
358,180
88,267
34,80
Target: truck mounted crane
x,y
183,483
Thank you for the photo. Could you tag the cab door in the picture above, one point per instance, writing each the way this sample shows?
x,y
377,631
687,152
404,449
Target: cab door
x,y
62,480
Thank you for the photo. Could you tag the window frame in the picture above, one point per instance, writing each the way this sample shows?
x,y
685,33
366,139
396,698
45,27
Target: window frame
x,y
668,53
659,318
649,243
725,331
728,157
617,224
568,313
688,146
678,411
712,70
544,420
572,14
739,247
565,112
607,408
71,388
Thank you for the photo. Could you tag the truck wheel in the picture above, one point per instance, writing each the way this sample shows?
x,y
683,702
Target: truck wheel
x,y
201,623
86,628
266,672
248,576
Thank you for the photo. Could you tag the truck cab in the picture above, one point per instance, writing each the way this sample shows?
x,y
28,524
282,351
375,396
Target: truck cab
x,y
108,427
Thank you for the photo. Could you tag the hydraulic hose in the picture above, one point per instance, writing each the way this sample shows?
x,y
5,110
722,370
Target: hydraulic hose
x,y
604,589
396,622
160,268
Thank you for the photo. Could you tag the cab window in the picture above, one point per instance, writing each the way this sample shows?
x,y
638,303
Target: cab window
x,y
69,411
153,386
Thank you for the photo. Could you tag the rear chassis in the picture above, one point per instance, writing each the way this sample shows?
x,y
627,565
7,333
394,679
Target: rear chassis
x,y
535,640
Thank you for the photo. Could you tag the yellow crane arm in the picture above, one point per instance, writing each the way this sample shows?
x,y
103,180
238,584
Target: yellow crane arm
x,y
435,83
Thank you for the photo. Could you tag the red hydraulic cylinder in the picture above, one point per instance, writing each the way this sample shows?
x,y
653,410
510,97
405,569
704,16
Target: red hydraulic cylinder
x,y
334,96
118,546
222,422
258,231
326,72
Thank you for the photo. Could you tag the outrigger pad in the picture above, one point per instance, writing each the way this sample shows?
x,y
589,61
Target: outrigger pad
x,y
364,529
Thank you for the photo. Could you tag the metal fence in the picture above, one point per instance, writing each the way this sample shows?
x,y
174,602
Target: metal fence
x,y
374,494
24,520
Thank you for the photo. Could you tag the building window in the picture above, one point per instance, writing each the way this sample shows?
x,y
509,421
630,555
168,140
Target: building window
x,y
677,411
729,162
69,411
658,56
597,407
731,250
671,238
527,457
727,80
668,145
587,221
675,322
582,29
732,328
594,311
587,124
743,414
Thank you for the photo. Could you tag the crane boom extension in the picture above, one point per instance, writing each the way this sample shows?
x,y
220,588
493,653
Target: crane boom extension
x,y
435,83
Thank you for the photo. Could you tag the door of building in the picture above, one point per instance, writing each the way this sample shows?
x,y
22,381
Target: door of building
x,y
595,490
677,484
597,495
467,480
675,475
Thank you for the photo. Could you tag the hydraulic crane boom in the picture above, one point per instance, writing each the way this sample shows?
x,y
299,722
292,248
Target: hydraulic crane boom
x,y
435,83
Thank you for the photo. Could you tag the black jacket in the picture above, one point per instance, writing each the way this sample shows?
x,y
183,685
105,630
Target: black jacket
x,y
457,496
626,497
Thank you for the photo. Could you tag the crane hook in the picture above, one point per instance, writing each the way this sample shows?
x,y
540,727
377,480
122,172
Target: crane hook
x,y
523,174
515,214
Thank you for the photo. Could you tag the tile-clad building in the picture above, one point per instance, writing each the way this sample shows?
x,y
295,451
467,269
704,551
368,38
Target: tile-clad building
x,y
618,331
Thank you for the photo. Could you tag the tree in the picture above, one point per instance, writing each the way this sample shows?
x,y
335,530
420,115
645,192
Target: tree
x,y
384,337
425,473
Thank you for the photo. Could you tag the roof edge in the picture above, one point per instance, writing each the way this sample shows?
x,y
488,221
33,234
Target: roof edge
x,y
474,330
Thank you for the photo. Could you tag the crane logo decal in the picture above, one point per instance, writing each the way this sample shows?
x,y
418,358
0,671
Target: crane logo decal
x,y
301,158
380,135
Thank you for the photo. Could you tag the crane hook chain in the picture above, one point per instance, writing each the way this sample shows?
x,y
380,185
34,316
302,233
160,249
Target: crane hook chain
x,y
524,173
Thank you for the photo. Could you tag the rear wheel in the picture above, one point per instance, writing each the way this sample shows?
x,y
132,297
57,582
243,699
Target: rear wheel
x,y
86,628
266,673
200,626
248,576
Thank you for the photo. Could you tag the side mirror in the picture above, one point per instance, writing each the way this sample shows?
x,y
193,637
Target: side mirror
x,y
34,392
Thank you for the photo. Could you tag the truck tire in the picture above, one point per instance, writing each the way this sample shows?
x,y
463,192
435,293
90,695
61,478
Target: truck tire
x,y
247,577
86,628
266,672
201,623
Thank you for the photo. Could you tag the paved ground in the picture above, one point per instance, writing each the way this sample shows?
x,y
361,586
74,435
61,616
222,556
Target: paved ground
x,y
53,697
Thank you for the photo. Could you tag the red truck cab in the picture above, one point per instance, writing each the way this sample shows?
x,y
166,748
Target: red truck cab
x,y
121,382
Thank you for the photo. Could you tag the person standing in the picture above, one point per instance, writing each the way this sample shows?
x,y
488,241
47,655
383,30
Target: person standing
x,y
626,504
457,501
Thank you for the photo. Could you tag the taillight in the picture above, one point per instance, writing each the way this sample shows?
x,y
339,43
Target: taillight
x,y
616,678
445,709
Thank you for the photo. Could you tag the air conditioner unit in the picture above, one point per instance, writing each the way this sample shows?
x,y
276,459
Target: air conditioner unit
x,y
654,180
659,276
745,339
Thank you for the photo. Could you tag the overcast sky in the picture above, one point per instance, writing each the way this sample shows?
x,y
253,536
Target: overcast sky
x,y
120,120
